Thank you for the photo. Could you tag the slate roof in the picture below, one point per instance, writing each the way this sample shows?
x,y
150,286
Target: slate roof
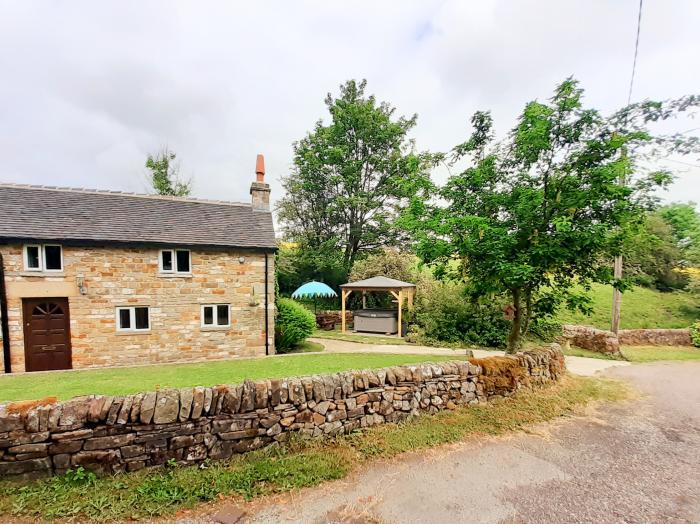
x,y
87,216
379,283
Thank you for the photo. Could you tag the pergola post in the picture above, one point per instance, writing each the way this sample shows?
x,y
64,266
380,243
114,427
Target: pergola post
x,y
344,296
400,308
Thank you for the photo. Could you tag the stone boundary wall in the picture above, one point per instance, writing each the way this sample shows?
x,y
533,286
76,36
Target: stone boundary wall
x,y
655,337
590,338
602,341
115,434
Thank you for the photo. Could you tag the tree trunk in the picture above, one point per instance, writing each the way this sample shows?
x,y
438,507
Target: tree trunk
x,y
514,336
528,311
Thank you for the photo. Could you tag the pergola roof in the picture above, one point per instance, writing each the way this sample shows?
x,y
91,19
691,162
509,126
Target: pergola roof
x,y
378,283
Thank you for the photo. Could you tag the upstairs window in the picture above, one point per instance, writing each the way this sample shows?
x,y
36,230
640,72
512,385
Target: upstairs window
x,y
43,257
216,315
136,318
175,261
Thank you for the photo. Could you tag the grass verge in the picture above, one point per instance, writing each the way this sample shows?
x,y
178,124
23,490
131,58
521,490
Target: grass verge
x,y
641,308
124,381
656,353
574,351
147,494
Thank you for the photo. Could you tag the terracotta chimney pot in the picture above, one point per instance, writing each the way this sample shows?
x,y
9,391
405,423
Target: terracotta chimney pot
x,y
260,168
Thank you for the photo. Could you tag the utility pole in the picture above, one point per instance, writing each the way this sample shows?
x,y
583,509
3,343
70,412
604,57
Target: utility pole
x,y
617,268
617,296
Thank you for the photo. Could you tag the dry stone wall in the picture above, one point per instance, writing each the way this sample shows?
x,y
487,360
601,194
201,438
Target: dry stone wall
x,y
655,337
602,341
114,434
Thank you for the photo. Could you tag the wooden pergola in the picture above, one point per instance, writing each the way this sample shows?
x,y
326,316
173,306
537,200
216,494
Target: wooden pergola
x,y
399,290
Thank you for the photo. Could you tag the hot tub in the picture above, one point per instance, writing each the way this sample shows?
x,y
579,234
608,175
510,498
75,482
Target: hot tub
x,y
377,321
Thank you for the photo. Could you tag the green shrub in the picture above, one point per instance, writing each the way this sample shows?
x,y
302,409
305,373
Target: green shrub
x,y
449,315
547,329
293,324
695,334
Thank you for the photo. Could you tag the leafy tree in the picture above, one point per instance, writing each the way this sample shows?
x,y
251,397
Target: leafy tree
x,y
388,262
164,174
296,266
543,210
350,176
653,255
685,223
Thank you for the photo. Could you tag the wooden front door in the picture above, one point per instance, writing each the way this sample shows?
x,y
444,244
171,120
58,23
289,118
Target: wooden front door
x,y
46,334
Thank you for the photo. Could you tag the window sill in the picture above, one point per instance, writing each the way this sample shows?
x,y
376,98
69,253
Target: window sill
x,y
139,332
215,328
42,273
174,275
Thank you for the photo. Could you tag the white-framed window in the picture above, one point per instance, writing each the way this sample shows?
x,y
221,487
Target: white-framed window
x,y
175,261
216,315
43,257
133,318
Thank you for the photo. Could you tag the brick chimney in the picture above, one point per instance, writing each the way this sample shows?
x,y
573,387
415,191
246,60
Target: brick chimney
x,y
259,190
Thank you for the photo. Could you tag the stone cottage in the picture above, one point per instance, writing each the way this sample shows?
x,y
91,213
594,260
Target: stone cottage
x,y
99,278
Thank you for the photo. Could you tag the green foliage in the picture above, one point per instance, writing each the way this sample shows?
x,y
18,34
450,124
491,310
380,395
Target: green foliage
x,y
294,323
684,219
296,266
545,328
350,176
653,256
165,175
543,210
695,334
389,262
447,314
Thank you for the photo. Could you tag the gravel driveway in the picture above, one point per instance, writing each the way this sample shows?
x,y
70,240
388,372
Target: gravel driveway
x,y
637,461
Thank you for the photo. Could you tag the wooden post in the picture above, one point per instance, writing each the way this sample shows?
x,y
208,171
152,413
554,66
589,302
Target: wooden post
x,y
617,296
344,296
400,304
411,292
364,300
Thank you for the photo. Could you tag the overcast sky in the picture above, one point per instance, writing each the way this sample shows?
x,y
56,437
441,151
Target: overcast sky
x,y
89,88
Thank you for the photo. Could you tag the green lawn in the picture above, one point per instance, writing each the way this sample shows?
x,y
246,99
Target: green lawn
x,y
641,308
82,497
123,381
655,353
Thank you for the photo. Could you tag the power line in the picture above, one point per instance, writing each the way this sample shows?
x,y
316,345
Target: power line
x,y
636,51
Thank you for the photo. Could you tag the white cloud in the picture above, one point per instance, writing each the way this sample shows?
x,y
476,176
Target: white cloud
x,y
89,88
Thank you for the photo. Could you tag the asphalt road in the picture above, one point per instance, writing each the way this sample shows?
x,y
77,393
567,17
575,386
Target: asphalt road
x,y
637,461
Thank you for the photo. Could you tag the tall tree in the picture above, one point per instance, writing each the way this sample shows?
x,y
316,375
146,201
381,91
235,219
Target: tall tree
x,y
654,256
543,210
684,220
164,175
350,176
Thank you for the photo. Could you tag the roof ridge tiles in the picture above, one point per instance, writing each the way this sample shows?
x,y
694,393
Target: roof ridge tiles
x,y
123,193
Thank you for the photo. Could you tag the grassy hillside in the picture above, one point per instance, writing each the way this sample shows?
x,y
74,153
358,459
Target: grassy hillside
x,y
641,308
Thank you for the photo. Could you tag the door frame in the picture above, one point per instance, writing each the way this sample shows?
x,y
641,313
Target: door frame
x,y
26,302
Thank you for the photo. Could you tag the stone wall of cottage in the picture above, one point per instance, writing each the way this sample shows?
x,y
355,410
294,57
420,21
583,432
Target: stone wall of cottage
x,y
115,276
113,434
